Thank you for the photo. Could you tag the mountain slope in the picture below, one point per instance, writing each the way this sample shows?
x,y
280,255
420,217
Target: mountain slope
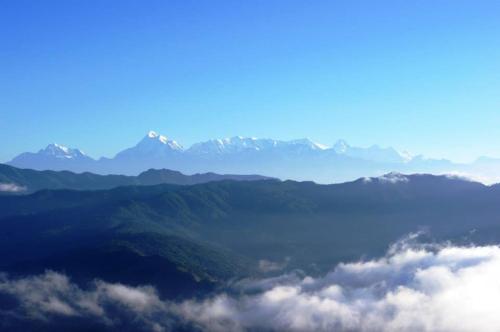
x,y
219,230
27,180
55,157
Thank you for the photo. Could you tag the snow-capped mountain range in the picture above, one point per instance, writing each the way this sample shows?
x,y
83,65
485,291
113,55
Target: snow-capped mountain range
x,y
300,159
239,144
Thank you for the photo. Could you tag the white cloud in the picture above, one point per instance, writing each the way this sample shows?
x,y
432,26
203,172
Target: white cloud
x,y
391,178
484,178
413,288
51,295
11,187
270,266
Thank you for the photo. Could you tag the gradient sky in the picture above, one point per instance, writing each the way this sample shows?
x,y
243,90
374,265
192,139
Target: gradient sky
x,y
422,76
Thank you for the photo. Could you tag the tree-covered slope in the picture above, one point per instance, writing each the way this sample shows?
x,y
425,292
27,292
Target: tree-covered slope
x,y
219,230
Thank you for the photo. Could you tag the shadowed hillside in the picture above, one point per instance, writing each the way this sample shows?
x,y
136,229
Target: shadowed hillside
x,y
21,181
201,235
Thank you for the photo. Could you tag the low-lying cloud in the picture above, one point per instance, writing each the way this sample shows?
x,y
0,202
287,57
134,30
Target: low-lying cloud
x,y
50,296
412,288
11,187
270,266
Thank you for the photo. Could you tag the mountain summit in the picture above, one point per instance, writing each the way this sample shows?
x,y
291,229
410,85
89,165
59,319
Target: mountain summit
x,y
373,153
152,145
54,157
152,136
61,151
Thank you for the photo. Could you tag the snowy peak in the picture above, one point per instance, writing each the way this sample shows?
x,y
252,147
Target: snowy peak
x,y
306,142
232,145
341,146
54,157
406,156
152,134
239,144
153,138
153,145
61,151
214,146
372,153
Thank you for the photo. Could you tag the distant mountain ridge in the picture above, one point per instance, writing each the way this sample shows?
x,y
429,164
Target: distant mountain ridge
x,y
300,159
21,181
54,157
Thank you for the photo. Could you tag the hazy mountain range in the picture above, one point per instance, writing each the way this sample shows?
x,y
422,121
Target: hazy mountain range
x,y
23,181
300,159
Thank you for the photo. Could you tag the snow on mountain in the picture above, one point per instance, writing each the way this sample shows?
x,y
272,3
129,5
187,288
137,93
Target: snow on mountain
x,y
153,145
307,143
238,144
406,156
233,145
54,157
152,136
372,153
300,159
61,151
341,146
56,151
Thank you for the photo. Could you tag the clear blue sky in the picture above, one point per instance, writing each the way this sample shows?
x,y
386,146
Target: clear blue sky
x,y
417,75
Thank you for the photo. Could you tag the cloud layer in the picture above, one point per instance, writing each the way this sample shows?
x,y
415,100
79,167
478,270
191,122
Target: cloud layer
x,y
412,288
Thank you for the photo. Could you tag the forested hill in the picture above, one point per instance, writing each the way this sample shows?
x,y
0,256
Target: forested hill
x,y
194,237
20,181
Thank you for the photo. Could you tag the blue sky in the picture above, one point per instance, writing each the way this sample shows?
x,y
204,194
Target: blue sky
x,y
417,75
